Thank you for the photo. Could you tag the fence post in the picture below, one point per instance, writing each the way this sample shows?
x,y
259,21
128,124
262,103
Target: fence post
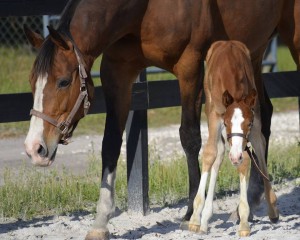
x,y
137,158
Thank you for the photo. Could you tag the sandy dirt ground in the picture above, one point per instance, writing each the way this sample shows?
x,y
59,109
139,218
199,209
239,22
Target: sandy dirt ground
x,y
160,223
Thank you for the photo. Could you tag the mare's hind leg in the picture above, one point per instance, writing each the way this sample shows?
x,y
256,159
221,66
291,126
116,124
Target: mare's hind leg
x,y
117,78
289,28
263,115
190,72
258,143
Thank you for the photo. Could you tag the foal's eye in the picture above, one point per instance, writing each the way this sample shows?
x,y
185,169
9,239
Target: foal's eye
x,y
63,83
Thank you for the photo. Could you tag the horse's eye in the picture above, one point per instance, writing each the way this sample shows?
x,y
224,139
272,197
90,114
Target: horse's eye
x,y
63,83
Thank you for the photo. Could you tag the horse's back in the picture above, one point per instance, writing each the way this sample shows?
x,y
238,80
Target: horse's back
x,y
169,27
228,68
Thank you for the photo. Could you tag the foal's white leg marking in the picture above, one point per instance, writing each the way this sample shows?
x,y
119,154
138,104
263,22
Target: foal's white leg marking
x,y
36,124
237,142
199,200
106,203
244,209
208,207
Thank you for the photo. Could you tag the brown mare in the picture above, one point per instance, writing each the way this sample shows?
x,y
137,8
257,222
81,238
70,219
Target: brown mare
x,y
230,105
174,35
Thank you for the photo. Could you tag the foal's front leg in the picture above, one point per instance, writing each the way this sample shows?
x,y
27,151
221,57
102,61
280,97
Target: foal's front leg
x,y
210,154
208,207
244,210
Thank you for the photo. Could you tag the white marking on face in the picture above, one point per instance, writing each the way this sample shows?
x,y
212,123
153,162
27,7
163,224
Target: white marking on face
x,y
36,124
237,142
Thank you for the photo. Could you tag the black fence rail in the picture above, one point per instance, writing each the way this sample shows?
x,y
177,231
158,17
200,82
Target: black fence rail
x,y
147,95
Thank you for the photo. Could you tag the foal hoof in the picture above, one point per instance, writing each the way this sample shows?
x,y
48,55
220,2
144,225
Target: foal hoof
x,y
96,234
196,228
244,233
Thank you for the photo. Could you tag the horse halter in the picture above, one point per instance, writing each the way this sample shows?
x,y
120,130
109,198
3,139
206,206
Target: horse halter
x,y
237,135
229,136
250,150
64,126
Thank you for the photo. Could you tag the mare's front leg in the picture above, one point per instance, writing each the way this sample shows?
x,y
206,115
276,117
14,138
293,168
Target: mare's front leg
x,y
213,155
243,209
117,78
190,72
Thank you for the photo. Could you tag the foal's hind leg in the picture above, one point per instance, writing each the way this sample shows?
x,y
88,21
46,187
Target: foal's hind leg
x,y
190,72
117,78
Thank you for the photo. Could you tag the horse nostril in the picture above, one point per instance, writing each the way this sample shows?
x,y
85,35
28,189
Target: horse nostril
x,y
241,157
42,151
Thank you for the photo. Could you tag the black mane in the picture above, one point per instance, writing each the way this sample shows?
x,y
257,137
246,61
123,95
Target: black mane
x,y
44,59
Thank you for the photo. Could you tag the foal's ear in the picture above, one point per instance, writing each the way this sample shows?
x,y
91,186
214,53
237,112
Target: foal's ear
x,y
227,99
59,40
35,39
251,98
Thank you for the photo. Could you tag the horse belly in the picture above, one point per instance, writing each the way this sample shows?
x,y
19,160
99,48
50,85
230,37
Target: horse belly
x,y
251,22
165,31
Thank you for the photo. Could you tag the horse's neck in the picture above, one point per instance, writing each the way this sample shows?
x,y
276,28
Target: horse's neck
x,y
98,24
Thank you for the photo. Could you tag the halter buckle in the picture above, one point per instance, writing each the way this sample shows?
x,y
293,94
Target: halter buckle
x,y
63,128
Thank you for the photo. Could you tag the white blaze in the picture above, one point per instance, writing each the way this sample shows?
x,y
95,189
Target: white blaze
x,y
237,142
36,124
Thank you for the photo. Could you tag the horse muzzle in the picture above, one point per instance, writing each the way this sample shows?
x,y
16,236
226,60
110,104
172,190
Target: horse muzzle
x,y
40,155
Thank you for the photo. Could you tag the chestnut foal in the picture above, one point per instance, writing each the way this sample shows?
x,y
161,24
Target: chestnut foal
x,y
231,104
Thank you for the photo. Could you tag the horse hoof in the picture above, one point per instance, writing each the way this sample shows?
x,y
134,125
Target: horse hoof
x,y
244,233
196,228
274,220
96,234
184,225
274,216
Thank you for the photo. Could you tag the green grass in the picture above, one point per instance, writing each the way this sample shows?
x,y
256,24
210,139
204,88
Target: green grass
x,y
284,59
15,69
34,192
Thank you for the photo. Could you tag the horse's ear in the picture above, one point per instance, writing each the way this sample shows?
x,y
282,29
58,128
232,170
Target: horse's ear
x,y
227,99
250,99
35,39
59,39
